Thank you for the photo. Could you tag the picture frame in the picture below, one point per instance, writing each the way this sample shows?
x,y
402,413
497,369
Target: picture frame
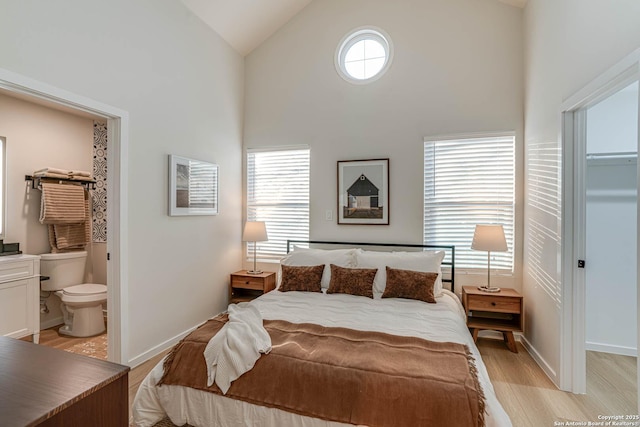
x,y
363,192
193,187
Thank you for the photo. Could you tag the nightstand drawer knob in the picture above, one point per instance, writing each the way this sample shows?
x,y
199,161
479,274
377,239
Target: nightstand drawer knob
x,y
493,304
246,283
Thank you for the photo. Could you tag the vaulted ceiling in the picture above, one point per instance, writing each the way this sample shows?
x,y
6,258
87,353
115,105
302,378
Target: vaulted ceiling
x,y
245,24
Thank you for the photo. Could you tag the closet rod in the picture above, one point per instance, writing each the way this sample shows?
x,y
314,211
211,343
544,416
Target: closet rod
x,y
613,156
36,180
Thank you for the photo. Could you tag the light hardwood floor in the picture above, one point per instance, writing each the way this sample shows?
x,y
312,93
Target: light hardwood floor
x,y
526,393
531,399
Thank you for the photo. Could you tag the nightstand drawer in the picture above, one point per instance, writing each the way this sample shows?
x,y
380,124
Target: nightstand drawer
x,y
247,282
245,286
498,304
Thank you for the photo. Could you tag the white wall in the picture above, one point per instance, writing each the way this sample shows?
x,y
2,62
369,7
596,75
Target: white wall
x,y
457,68
612,124
38,137
183,88
567,44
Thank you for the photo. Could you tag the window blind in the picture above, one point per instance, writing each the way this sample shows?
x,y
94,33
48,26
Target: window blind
x,y
467,182
278,193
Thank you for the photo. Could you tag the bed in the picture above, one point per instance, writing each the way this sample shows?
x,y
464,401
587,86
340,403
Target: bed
x,y
399,319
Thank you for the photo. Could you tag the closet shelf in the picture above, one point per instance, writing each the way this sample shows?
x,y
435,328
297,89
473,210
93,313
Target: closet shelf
x,y
90,184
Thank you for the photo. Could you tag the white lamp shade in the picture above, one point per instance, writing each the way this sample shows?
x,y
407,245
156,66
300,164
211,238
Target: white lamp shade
x,y
255,231
489,238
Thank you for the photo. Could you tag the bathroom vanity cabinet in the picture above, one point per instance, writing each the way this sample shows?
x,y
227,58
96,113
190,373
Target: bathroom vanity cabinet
x,y
20,296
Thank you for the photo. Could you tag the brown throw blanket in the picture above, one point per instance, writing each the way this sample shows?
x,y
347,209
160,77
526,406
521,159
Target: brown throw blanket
x,y
345,375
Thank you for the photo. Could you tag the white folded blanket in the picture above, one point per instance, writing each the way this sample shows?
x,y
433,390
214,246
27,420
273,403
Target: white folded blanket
x,y
237,346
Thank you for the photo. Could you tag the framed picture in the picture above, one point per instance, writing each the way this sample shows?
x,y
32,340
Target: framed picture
x,y
193,187
363,192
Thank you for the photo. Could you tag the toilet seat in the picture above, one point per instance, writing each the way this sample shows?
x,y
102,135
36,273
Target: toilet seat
x,y
86,292
85,289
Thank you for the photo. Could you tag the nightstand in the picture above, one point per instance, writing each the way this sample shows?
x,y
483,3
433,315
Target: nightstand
x,y
245,287
500,311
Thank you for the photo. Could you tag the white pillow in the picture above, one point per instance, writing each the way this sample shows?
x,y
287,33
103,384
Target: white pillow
x,y
426,261
310,257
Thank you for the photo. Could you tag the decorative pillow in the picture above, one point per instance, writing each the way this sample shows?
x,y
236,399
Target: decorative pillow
x,y
353,281
410,284
311,257
426,261
306,279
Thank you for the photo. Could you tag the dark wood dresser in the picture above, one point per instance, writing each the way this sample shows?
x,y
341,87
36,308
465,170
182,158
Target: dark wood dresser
x,y
48,387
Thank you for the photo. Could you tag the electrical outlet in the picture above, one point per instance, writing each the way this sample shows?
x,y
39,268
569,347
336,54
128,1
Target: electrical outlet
x,y
328,215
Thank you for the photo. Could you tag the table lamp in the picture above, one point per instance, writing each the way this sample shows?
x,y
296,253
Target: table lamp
x,y
254,231
489,238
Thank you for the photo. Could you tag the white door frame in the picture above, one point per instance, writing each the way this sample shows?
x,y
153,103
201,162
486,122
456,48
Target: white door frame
x,y
118,141
572,336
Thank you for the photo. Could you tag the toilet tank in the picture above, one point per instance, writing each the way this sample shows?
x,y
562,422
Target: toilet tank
x,y
63,269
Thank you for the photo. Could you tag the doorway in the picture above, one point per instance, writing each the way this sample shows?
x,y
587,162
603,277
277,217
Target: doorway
x,y
611,231
596,177
117,136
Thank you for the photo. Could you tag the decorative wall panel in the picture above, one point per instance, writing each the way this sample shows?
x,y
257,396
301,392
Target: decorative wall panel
x,y
100,175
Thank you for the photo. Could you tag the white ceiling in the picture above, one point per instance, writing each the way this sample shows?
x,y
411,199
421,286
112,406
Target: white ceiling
x,y
245,24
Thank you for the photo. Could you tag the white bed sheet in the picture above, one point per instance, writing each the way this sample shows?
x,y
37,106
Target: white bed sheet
x,y
444,321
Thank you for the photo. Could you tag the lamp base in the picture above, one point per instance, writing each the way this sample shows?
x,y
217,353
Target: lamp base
x,y
254,272
492,289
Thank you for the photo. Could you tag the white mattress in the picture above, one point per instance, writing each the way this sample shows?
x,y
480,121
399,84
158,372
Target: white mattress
x,y
444,321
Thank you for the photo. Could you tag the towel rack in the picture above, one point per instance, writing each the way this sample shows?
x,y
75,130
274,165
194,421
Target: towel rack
x,y
90,184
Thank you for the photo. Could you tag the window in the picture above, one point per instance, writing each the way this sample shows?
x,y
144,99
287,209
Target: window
x,y
364,55
467,182
278,193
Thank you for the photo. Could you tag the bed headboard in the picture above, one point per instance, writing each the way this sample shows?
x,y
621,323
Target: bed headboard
x,y
449,250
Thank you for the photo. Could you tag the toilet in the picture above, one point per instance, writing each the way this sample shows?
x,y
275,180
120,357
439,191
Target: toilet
x,y
81,302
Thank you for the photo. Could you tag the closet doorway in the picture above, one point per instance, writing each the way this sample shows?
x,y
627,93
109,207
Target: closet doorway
x,y
600,234
117,134
611,247
611,223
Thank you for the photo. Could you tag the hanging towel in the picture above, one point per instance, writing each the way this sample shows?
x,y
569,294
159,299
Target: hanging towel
x,y
64,237
62,204
237,346
69,236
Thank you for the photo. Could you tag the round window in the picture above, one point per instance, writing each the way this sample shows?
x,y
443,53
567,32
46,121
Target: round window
x,y
364,55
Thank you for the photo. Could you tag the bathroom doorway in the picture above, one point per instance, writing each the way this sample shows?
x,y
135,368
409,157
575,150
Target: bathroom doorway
x,y
117,133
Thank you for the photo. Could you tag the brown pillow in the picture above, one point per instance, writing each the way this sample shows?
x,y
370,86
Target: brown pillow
x,y
305,279
353,281
410,284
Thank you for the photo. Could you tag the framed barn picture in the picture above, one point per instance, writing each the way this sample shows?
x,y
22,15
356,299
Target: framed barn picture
x,y
193,187
363,192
